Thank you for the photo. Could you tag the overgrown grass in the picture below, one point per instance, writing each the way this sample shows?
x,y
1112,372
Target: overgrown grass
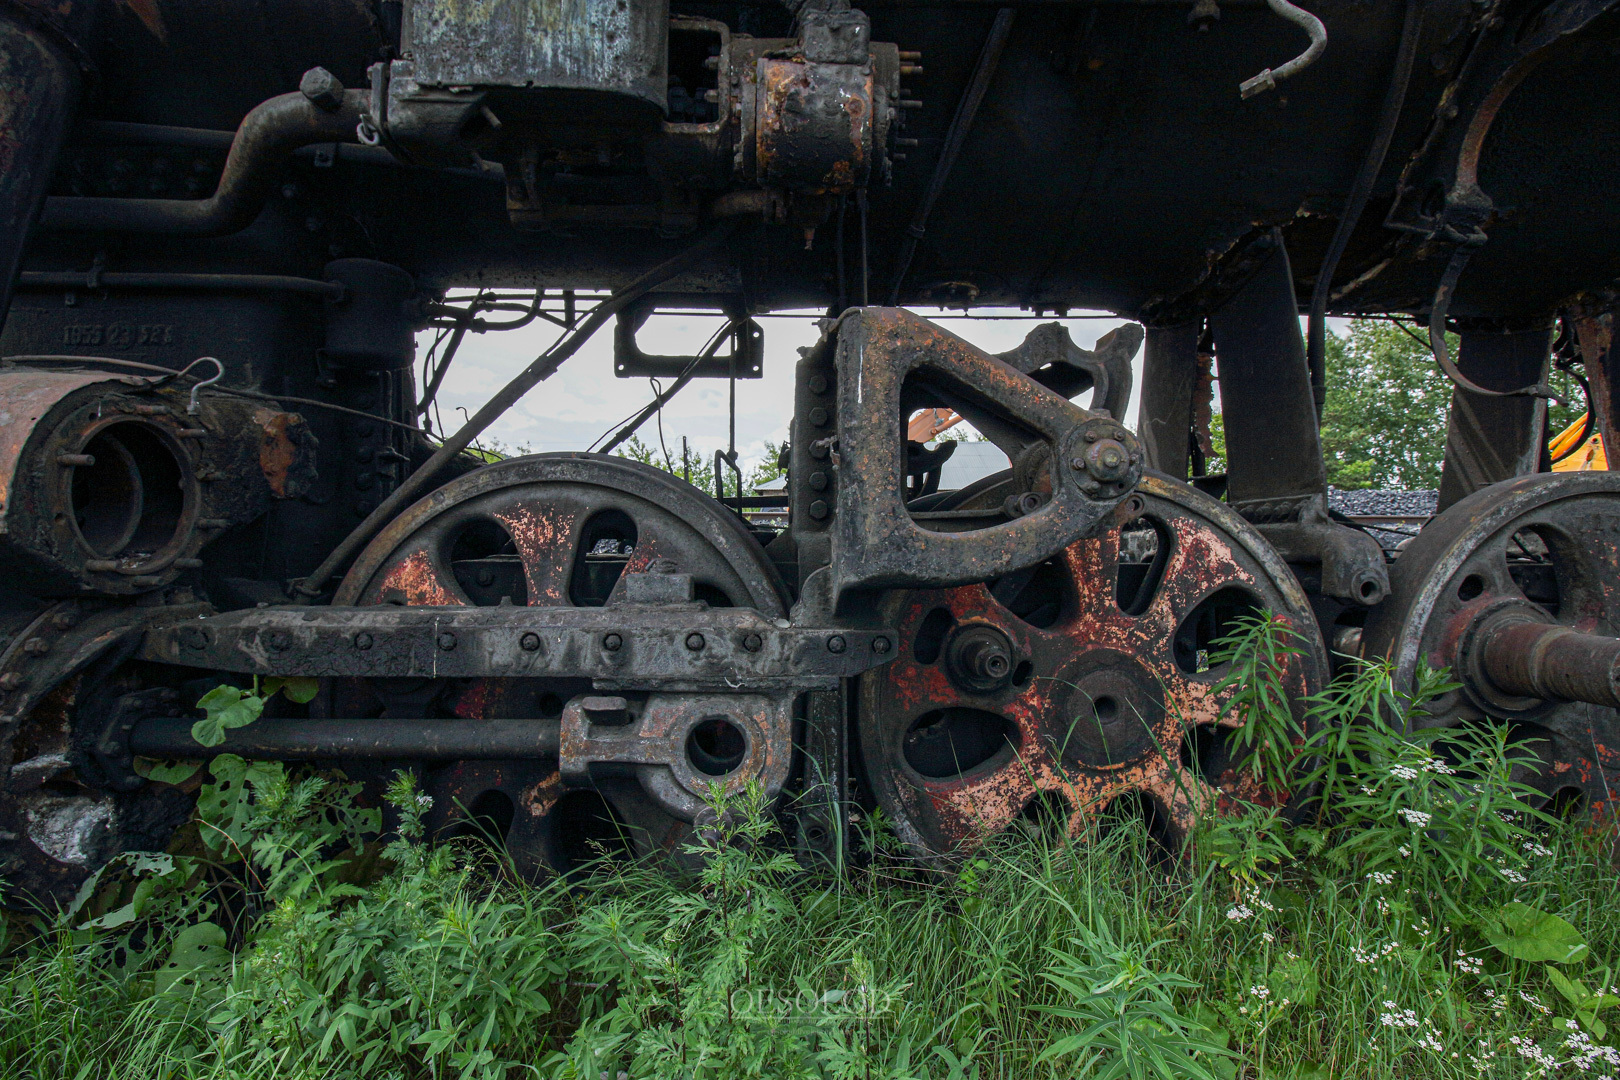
x,y
1432,926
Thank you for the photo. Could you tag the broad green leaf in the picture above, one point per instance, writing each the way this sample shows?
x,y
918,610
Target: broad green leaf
x,y
1527,933
166,772
196,948
227,707
299,688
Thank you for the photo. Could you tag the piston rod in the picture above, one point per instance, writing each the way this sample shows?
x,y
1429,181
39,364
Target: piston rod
x,y
382,739
1539,660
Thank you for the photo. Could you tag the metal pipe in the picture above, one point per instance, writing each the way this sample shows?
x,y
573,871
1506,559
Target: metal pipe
x,y
40,83
966,110
272,131
382,739
1268,79
95,279
1360,191
1538,660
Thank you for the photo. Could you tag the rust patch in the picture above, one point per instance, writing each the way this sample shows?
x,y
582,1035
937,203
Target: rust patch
x,y
285,456
545,541
416,580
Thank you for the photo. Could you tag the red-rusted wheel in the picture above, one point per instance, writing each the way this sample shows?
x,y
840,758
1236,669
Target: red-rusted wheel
x,y
1078,683
549,530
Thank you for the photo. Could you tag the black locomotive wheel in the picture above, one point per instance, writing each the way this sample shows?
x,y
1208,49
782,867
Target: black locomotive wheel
x,y
1081,683
1544,548
549,530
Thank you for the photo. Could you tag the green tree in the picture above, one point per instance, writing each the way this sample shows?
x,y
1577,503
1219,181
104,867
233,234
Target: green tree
x,y
698,469
1384,425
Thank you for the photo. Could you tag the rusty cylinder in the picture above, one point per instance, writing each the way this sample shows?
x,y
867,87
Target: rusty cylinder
x,y
1537,660
39,87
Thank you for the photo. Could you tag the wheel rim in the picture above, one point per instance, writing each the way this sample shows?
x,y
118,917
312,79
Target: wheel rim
x,y
1545,544
1103,699
549,530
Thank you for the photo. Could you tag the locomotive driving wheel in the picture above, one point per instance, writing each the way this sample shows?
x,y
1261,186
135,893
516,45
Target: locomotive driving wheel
x,y
1535,560
1080,683
548,530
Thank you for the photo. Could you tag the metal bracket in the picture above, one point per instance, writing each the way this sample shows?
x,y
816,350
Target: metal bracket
x,y
1090,462
746,359
680,747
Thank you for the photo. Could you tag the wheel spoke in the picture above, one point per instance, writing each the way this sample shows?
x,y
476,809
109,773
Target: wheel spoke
x,y
546,536
417,577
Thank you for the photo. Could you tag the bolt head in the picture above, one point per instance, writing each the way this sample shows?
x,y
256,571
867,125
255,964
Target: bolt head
x,y
362,641
447,641
880,645
695,642
1108,461
818,509
322,88
837,644
612,642
753,642
529,642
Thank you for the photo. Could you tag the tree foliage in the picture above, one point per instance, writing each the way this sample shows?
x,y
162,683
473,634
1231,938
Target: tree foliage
x,y
1384,423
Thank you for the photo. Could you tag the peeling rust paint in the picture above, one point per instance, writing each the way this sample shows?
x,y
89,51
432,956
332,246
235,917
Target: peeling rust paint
x,y
1063,748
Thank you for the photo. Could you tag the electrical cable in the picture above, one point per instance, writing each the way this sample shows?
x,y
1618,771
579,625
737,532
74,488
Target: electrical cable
x,y
539,370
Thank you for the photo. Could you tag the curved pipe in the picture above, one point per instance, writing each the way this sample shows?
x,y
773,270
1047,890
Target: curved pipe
x,y
1394,102
1269,78
272,131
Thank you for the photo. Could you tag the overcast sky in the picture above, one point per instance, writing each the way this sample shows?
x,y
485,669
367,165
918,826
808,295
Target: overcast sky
x,y
583,400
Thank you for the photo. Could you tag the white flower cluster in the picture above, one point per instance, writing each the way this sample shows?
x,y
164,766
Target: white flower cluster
x,y
1584,1053
1378,877
1239,913
1534,1002
1406,852
1512,875
1396,1017
1469,965
1435,765
1402,772
1372,956
1530,847
1528,1049
425,802
1415,818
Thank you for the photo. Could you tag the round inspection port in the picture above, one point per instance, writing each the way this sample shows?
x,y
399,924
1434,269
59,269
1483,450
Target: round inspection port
x,y
136,500
716,746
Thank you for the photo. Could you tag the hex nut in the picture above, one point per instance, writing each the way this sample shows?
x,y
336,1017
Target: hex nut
x,y
880,645
837,644
694,641
753,642
612,642
529,642
447,641
322,88
818,509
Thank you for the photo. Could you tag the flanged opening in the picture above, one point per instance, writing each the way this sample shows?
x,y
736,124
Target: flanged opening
x,y
1041,595
605,546
954,741
1213,619
487,566
488,818
1144,551
716,746
1138,808
131,502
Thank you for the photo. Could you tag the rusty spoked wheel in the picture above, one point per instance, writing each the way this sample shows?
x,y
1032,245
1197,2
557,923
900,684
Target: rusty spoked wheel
x,y
1080,684
548,530
1539,549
